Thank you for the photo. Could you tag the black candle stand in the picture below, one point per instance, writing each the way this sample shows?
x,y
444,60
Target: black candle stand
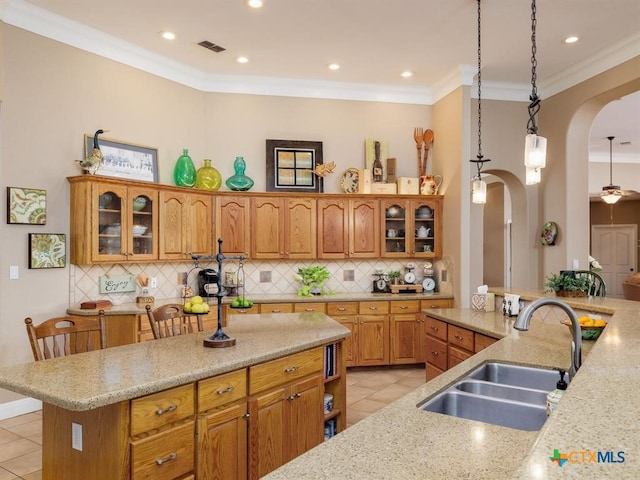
x,y
219,339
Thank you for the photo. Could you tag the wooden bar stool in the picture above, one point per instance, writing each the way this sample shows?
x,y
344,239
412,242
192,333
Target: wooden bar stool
x,y
62,336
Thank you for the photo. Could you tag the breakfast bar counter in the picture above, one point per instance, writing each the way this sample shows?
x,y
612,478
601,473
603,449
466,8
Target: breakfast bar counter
x,y
598,413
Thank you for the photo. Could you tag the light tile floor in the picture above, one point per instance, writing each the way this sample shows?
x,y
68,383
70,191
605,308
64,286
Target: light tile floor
x,y
368,390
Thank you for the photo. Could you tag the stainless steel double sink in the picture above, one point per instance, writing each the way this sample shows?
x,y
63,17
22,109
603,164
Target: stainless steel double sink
x,y
503,394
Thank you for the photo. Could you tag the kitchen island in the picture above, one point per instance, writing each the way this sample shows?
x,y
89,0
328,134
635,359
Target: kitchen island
x,y
104,412
598,413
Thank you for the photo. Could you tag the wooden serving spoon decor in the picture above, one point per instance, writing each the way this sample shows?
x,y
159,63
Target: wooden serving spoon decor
x,y
428,140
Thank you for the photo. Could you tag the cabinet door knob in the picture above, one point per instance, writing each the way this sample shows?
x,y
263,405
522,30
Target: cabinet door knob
x,y
247,415
171,457
434,353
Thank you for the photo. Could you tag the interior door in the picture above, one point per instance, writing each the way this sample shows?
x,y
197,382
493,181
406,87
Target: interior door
x,y
614,247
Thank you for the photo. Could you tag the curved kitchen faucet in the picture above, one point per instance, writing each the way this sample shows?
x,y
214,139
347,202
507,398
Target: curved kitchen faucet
x,y
523,320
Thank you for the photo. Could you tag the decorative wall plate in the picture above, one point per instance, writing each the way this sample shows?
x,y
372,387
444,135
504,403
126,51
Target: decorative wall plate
x,y
549,233
349,180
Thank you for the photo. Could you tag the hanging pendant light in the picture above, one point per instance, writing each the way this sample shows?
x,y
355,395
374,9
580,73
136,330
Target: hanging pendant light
x,y
611,193
532,176
535,146
479,186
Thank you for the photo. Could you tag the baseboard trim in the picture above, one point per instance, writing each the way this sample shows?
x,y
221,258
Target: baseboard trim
x,y
19,407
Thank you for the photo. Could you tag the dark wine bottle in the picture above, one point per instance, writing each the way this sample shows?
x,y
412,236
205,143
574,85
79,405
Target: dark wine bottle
x,y
377,164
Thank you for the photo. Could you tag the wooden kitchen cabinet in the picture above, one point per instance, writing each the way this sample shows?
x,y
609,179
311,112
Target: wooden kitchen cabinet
x,y
369,341
186,223
222,427
407,332
286,410
232,225
346,228
411,226
283,227
435,347
103,215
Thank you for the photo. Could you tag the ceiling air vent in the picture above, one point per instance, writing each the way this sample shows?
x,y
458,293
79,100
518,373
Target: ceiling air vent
x,y
211,46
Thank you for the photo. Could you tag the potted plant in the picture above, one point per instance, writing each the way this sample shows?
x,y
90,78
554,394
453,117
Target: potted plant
x,y
566,284
394,277
312,279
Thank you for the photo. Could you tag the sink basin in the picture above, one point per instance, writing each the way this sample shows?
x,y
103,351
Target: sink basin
x,y
506,392
507,413
503,394
517,375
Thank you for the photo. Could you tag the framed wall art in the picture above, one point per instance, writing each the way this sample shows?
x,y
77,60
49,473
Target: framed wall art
x,y
125,160
47,250
291,165
26,206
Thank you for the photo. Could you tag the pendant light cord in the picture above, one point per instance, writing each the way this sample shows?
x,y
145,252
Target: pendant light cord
x,y
534,106
479,161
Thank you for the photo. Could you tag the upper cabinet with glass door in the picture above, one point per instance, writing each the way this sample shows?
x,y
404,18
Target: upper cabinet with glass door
x,y
112,222
412,227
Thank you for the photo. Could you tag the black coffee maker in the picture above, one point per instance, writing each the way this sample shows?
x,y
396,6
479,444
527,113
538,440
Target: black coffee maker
x,y
208,282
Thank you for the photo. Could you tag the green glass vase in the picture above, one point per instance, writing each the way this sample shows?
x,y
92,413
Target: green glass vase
x,y
184,173
208,177
239,181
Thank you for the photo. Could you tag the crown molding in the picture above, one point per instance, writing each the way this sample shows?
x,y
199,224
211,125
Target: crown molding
x,y
598,63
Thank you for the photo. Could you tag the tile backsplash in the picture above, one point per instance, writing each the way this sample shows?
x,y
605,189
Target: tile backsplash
x,y
347,276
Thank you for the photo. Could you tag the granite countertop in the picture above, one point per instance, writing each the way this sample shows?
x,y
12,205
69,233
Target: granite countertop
x,y
90,380
139,308
597,413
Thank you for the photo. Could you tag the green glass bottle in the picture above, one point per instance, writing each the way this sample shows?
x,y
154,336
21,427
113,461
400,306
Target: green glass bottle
x,y
208,177
184,173
239,181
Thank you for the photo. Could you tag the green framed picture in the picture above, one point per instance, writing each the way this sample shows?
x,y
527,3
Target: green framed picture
x,y
47,250
27,206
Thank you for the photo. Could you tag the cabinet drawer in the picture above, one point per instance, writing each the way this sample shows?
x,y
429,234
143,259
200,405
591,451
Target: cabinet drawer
x,y
166,455
436,328
342,308
456,356
375,308
228,310
436,303
283,370
432,371
309,307
436,353
276,308
461,337
482,341
405,306
217,391
161,409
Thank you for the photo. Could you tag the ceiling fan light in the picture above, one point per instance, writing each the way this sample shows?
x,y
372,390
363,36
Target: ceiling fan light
x,y
611,196
535,151
532,176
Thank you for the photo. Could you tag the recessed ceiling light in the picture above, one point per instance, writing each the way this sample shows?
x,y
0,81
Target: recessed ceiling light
x,y
406,74
572,39
168,35
333,66
255,3
242,60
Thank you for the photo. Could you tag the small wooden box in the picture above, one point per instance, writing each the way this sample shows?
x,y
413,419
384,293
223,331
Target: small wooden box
x,y
364,181
391,170
408,186
384,188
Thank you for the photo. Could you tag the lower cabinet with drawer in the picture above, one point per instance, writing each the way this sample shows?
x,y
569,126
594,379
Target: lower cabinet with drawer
x,y
235,426
448,345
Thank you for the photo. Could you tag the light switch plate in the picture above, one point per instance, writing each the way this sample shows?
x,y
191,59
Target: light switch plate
x,y
76,436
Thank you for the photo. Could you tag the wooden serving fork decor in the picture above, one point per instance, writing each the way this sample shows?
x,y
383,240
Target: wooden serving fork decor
x,y
418,137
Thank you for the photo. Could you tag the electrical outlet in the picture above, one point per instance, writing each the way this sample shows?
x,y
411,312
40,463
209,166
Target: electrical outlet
x,y
348,275
76,436
443,276
265,276
153,282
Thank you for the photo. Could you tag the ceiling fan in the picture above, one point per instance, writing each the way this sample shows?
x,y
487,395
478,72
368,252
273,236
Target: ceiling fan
x,y
612,193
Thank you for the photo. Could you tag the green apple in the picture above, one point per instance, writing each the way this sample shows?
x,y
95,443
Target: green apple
x,y
235,303
187,307
196,299
246,303
205,307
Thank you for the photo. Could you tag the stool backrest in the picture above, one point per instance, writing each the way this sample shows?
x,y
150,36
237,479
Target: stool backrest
x,y
170,320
